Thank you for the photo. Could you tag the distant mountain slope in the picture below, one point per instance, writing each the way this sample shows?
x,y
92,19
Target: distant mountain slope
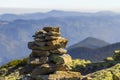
x,y
90,42
14,34
94,54
53,13
39,15
81,53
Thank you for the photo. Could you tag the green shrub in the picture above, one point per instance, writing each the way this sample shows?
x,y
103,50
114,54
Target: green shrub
x,y
108,59
112,73
102,75
17,63
78,62
116,55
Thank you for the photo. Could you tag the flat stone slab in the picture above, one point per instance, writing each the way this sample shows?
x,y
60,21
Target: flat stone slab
x,y
61,59
39,53
60,75
55,29
60,41
38,61
58,51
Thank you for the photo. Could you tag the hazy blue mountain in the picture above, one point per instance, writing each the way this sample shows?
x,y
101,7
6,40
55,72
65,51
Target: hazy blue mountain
x,y
94,55
39,15
14,34
91,43
53,13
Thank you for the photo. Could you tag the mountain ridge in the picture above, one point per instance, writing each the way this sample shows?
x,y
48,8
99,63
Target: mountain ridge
x,y
94,55
52,13
90,42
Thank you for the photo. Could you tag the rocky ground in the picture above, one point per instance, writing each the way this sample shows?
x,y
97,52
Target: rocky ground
x,y
104,70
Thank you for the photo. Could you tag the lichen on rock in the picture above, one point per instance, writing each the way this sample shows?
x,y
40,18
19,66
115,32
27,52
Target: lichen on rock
x,y
107,74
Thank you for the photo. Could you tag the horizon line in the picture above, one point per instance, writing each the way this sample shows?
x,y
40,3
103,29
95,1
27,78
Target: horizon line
x,y
5,10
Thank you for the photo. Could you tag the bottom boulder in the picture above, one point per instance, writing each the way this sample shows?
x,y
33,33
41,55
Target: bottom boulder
x,y
60,75
43,70
46,69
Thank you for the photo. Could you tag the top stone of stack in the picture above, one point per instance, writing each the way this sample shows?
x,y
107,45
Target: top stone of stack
x,y
54,29
47,34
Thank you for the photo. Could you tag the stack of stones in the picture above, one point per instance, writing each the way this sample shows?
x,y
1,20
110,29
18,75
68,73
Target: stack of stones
x,y
48,53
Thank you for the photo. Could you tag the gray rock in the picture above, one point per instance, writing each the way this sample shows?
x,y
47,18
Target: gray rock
x,y
39,53
43,70
51,38
27,77
37,61
58,51
55,34
40,32
59,42
60,75
46,48
40,43
60,59
39,39
55,29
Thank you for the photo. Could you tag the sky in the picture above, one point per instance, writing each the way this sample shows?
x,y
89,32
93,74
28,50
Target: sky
x,y
72,5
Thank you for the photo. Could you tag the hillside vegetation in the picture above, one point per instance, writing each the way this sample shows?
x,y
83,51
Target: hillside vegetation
x,y
107,70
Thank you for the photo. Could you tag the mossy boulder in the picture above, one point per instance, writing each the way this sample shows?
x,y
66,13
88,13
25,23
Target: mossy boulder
x,y
116,55
102,75
78,64
112,73
13,63
61,59
10,71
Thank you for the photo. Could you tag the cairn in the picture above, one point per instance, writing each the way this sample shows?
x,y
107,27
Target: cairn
x,y
48,52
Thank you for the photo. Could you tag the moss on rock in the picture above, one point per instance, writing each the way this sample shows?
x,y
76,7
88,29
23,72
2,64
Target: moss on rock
x,y
10,71
78,63
116,55
107,74
17,63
